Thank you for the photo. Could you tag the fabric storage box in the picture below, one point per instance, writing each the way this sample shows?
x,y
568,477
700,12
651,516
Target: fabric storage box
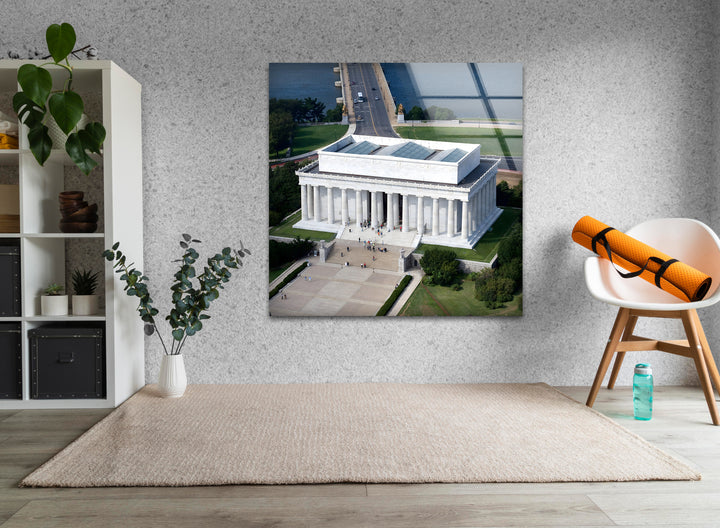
x,y
10,361
67,361
9,280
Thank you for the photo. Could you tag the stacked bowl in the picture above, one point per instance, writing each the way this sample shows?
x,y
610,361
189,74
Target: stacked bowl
x,y
77,215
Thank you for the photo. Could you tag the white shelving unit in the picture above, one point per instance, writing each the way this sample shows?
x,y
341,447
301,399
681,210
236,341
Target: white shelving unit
x,y
45,251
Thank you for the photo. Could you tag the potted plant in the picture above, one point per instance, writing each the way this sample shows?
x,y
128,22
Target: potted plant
x,y
54,302
84,300
191,296
37,103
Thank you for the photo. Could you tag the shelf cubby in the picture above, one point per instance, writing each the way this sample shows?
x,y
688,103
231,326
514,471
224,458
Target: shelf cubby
x,y
48,255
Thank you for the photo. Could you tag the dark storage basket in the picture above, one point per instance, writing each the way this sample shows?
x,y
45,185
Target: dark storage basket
x,y
9,280
67,361
10,361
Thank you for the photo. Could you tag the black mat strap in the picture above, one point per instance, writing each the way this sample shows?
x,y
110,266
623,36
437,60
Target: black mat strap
x,y
602,240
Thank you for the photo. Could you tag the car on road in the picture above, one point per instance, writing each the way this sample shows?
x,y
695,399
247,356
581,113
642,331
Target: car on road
x,y
377,98
355,101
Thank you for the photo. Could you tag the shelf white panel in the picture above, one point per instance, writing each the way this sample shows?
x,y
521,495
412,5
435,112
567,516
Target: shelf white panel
x,y
62,235
63,318
56,404
9,157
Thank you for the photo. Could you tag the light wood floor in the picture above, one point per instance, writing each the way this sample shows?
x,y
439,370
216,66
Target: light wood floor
x,y
681,426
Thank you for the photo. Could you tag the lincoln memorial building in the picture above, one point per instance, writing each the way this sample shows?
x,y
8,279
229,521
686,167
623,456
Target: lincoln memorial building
x,y
441,192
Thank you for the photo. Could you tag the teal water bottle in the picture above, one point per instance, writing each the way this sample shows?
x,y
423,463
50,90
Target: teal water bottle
x,y
643,391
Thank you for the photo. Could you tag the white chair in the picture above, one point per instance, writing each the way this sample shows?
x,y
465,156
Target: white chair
x,y
689,241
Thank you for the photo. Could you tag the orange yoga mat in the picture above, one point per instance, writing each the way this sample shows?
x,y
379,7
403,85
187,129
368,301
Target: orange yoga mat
x,y
641,260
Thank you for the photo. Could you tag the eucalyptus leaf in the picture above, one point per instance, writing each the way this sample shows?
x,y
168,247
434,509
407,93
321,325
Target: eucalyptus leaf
x,y
36,83
60,40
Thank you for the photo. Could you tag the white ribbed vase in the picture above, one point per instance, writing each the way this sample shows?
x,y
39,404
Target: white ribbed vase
x,y
173,380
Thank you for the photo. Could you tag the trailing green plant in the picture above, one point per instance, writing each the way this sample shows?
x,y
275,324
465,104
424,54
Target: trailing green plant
x,y
191,293
54,289
37,99
84,282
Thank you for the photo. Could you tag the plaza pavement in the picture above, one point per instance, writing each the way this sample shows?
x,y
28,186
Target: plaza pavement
x,y
334,290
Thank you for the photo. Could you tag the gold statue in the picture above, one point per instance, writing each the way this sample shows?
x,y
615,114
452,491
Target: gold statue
x,y
344,111
400,109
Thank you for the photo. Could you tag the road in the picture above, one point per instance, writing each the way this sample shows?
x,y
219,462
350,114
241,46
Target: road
x,y
371,117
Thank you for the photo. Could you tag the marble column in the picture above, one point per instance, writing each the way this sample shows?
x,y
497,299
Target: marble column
x,y
464,221
304,201
344,207
316,203
358,209
365,205
331,206
380,209
396,209
405,214
471,216
436,217
373,210
420,215
390,213
451,218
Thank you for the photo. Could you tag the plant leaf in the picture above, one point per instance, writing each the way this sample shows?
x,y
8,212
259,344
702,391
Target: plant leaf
x,y
67,109
76,150
60,40
178,333
27,110
40,143
92,137
186,237
35,82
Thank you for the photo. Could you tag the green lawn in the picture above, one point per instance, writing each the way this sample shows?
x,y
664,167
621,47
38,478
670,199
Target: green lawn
x,y
485,136
443,300
286,230
309,138
486,248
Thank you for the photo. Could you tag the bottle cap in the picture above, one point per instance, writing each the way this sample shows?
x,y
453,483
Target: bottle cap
x,y
643,368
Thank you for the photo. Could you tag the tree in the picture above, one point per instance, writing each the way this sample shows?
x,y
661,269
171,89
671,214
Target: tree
x,y
434,257
334,115
313,109
447,274
415,114
280,130
509,196
284,192
439,113
441,264
283,252
510,247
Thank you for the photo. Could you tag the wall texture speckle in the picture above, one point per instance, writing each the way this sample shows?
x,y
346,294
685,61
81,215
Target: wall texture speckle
x,y
621,122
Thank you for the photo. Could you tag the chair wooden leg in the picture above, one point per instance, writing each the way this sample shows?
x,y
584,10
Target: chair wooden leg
x,y
617,330
629,329
709,359
700,364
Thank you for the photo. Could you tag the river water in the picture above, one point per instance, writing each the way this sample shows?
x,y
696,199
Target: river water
x,y
290,80
449,85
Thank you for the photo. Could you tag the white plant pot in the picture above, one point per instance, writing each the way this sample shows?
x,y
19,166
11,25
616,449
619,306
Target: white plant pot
x,y
173,380
54,305
84,304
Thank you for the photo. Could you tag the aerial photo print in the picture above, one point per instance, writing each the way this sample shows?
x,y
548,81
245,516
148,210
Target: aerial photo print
x,y
395,189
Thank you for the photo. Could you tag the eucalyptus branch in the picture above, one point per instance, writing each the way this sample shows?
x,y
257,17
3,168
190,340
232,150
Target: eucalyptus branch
x,y
189,301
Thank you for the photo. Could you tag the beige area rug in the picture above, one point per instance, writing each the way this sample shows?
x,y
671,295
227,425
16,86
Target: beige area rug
x,y
373,432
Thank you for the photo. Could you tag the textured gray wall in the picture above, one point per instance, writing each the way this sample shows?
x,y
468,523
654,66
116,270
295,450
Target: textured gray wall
x,y
621,123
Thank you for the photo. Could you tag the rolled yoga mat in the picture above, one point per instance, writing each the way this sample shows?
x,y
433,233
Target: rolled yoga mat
x,y
641,260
